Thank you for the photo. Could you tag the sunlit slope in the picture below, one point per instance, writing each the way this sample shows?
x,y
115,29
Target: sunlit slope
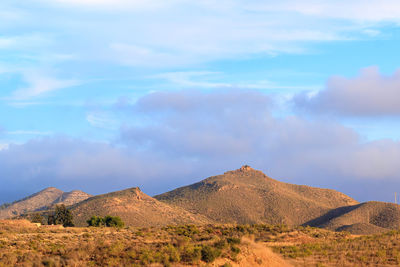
x,y
249,196
42,200
135,208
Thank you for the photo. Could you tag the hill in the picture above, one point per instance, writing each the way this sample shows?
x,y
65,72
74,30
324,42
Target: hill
x,y
249,196
365,218
42,200
70,198
135,208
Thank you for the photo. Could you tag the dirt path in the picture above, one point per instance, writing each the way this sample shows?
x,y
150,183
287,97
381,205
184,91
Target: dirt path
x,y
255,254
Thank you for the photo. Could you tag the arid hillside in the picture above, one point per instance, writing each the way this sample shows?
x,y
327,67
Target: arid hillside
x,y
73,197
243,196
249,196
25,244
42,200
365,218
135,208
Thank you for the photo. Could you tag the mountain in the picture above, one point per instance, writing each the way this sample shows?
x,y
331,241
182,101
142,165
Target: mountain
x,y
244,196
365,218
70,198
135,208
249,196
42,200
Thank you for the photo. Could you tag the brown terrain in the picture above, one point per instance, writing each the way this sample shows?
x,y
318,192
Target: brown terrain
x,y
41,201
135,208
243,196
365,218
249,196
26,244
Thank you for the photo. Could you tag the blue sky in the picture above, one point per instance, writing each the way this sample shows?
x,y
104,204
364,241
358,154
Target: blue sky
x,y
100,95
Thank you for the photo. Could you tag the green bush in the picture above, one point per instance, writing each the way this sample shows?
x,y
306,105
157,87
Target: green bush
x,y
191,254
61,215
113,221
235,250
209,254
233,240
108,221
36,218
96,221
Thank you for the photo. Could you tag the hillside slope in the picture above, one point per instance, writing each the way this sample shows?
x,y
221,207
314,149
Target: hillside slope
x,y
42,200
135,208
365,218
73,197
249,196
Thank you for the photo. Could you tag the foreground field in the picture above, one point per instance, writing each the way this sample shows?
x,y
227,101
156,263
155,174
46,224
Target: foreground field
x,y
25,244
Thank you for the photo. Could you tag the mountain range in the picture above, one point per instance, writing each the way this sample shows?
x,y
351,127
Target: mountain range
x,y
42,200
243,196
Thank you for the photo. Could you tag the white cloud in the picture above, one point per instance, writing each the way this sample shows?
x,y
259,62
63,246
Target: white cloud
x,y
24,41
176,33
39,84
3,146
110,4
190,135
359,10
368,94
209,79
28,132
102,120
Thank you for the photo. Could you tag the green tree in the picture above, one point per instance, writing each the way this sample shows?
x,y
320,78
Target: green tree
x,y
36,218
63,216
96,221
113,221
109,221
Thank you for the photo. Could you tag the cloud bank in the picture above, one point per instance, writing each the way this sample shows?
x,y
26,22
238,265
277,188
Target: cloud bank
x,y
179,32
369,94
177,138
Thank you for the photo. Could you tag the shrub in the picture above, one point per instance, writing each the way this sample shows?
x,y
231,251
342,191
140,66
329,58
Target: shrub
x,y
96,221
109,221
220,244
172,253
61,215
191,254
235,250
233,240
36,218
209,254
113,221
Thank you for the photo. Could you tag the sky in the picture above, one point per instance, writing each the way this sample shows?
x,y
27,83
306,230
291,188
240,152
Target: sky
x,y
101,95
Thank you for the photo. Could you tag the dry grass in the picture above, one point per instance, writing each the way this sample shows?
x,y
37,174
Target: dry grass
x,y
25,244
342,249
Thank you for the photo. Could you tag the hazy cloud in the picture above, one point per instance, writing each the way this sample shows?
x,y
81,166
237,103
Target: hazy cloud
x,y
177,138
369,94
39,84
179,32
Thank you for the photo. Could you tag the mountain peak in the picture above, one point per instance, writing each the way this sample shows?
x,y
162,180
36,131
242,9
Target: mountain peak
x,y
245,168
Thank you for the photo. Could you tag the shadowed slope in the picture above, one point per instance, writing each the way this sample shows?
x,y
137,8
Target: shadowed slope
x,y
135,208
249,196
365,218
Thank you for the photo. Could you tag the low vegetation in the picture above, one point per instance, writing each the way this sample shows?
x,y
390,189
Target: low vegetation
x,y
107,221
23,243
345,250
61,215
